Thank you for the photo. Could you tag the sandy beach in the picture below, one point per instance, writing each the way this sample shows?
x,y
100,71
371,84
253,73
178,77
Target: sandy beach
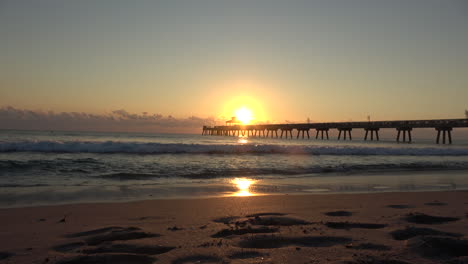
x,y
424,227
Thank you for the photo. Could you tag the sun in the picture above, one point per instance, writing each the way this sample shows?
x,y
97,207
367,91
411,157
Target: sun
x,y
244,115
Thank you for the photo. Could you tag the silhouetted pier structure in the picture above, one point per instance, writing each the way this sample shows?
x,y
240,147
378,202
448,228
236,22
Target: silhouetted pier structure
x,y
443,127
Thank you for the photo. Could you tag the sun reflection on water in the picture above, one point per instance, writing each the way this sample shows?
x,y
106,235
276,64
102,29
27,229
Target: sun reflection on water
x,y
243,186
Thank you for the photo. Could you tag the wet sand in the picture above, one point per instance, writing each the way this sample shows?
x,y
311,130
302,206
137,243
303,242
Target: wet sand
x,y
397,228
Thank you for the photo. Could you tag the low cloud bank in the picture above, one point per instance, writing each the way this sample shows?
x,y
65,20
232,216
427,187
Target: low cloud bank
x,y
118,120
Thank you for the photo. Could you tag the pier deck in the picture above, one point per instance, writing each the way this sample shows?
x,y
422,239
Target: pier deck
x,y
443,127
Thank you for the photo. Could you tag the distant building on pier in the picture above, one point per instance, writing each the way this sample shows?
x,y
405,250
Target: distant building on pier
x,y
233,121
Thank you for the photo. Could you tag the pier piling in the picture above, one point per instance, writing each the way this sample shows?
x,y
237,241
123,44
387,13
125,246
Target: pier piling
x,y
346,130
372,131
287,130
321,130
446,132
406,131
302,131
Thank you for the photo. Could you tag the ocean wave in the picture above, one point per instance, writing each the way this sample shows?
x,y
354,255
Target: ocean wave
x,y
111,147
310,171
149,172
22,185
60,165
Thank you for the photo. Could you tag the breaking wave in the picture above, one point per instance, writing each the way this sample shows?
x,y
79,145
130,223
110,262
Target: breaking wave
x,y
142,174
310,171
179,148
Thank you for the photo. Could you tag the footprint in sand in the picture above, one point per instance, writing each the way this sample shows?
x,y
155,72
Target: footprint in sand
x,y
438,247
243,231
339,213
399,206
420,218
368,246
98,247
69,247
436,203
410,232
349,225
226,220
282,241
175,228
264,214
129,248
143,218
198,259
247,255
102,235
276,221
102,230
265,219
109,259
5,255
118,235
372,260
458,260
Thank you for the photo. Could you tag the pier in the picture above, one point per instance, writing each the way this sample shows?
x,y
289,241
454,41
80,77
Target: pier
x,y
403,129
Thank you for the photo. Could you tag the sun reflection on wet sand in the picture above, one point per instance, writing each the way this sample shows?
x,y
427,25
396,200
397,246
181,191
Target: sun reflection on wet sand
x,y
243,186
242,140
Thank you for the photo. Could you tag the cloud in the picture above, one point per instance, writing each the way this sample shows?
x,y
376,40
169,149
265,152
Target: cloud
x,y
117,120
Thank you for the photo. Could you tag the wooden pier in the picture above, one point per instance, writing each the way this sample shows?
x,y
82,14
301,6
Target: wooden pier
x,y
443,127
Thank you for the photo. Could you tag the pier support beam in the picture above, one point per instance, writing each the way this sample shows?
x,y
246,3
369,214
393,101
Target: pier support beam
x,y
275,130
372,130
287,130
321,130
406,131
345,131
261,132
302,131
446,132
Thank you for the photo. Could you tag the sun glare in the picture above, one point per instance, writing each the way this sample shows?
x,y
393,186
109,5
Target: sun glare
x,y
243,186
245,108
244,115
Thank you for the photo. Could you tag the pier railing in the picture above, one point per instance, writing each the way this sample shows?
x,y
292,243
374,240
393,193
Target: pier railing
x,y
442,126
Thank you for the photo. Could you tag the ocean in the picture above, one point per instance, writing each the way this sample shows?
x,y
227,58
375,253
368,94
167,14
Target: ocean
x,y
50,167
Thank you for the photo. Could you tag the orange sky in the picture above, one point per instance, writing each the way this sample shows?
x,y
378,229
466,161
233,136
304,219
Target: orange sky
x,y
323,60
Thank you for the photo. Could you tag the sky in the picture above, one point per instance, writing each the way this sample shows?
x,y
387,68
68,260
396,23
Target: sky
x,y
198,61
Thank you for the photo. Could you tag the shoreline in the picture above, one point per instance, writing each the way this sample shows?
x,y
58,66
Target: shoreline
x,y
201,198
291,229
332,183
